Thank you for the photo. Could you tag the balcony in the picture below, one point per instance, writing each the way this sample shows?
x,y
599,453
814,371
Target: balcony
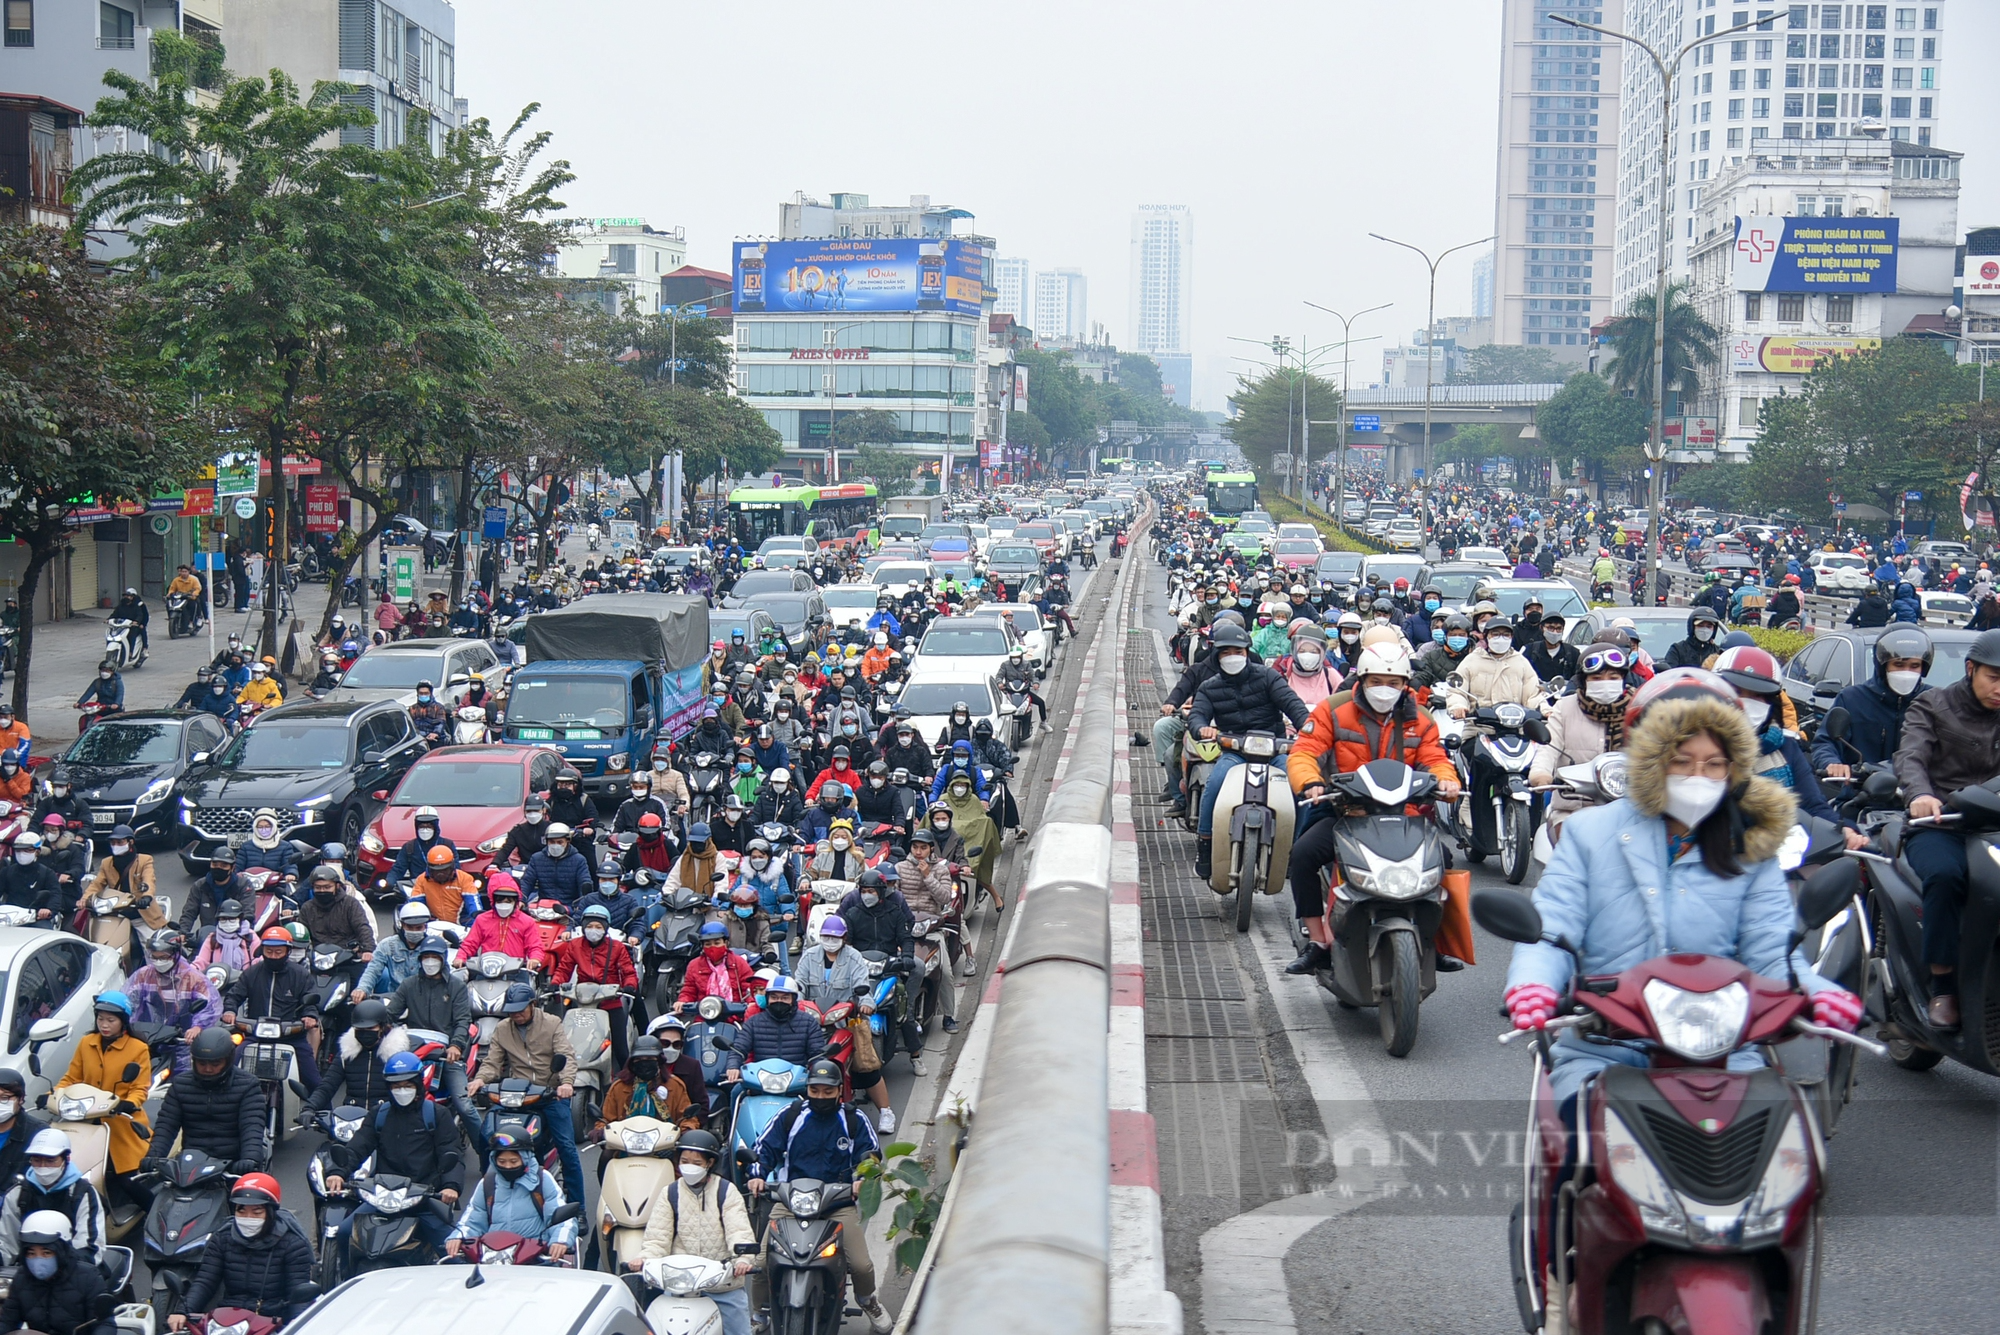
x,y
117,43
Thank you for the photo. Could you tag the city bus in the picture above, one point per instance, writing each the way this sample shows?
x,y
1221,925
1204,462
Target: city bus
x,y
1231,496
835,516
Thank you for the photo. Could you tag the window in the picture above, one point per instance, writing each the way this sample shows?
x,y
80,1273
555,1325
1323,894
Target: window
x,y
1753,305
1829,16
1795,76
1840,310
1760,108
1764,50
1829,76
1928,78
1795,17
1736,108
1748,411
1793,130
1806,207
624,258
1924,107
1791,308
1899,108
1930,48
1873,48
1832,207
1829,104
1795,47
114,28
1871,105
1795,104
1906,48
1739,50
1736,138
1923,134
1930,19
1877,17
1738,80
1906,20
20,22
1871,76
1762,79
1900,77
1829,47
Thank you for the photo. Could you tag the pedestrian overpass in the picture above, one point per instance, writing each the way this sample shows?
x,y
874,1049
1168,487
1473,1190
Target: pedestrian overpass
x,y
1400,414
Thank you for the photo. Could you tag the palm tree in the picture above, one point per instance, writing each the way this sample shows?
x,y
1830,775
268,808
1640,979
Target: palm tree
x,y
1691,345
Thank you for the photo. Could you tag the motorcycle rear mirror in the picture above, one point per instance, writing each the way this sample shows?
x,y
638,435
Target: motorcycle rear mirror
x,y
1535,731
747,1248
1879,786
1837,723
557,1062
131,1072
1979,806
1508,914
976,853
1826,690
568,1212
305,1293
104,1305
1826,892
177,1283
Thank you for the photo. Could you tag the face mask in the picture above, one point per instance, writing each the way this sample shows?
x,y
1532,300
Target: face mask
x,y
1382,699
1704,633
404,1095
9,1107
60,790
229,926
514,1174
432,966
831,945
423,697
42,1267
1603,692
870,898
26,859
742,767
1350,637
533,817
249,1228
1499,644
877,782
1553,634
1233,663
1212,602
504,907
733,817
1758,712
781,1010
940,825
216,689
693,1173
1902,683
840,844
367,1038
670,1053
48,1177
164,964
1456,643
593,934
1690,799
556,848
714,954
825,1105
1308,660
104,676
325,897
1381,621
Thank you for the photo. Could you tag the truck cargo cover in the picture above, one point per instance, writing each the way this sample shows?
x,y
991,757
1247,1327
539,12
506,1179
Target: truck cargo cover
x,y
661,630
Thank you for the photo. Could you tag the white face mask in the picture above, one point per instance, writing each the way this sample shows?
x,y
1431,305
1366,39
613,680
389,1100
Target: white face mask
x,y
1233,663
593,934
840,844
249,1228
48,1177
9,1107
1552,634
1603,692
120,849
1308,660
505,908
1499,644
229,926
1690,799
1382,699
26,858
1902,683
432,966
404,1095
1758,712
1704,633
694,1173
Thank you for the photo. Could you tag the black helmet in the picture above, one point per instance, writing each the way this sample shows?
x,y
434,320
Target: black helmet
x,y
370,1014
1703,614
647,1046
1985,649
870,880
701,1142
229,908
982,729
567,774
1458,621
213,1044
1229,635
1903,642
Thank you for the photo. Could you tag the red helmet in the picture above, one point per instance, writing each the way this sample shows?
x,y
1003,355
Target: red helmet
x,y
1749,668
276,936
256,1189
1604,551
1677,684
1792,579
1402,584
649,823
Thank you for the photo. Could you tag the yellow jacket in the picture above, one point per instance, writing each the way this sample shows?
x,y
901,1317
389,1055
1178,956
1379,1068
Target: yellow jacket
x,y
104,1068
264,694
185,584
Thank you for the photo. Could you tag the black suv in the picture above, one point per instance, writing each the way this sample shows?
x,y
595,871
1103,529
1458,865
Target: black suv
x,y
319,764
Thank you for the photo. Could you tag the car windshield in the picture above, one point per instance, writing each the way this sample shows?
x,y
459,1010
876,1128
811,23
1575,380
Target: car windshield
x,y
439,782
398,671
785,561
1564,601
938,697
722,625
1026,619
675,557
763,581
115,743
1296,547
1258,526
1481,554
1457,587
902,574
1949,664
598,702
1393,568
1014,555
901,526
1035,531
282,744
850,595
1338,565
1656,635
783,609
999,524
1839,561
959,641
946,531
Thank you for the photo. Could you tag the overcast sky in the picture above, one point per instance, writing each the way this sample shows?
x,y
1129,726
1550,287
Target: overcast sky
x,y
1292,130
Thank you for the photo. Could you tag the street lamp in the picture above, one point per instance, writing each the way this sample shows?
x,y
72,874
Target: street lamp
x,y
1340,455
826,378
1656,449
1282,346
1430,351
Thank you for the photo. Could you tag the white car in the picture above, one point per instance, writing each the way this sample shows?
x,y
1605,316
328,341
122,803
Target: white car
x,y
1298,531
934,690
967,647
1942,607
850,604
1841,572
1028,625
48,981
1487,556
1404,534
897,578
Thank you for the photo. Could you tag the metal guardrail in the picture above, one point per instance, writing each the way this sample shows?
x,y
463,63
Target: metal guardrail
x,y
1818,611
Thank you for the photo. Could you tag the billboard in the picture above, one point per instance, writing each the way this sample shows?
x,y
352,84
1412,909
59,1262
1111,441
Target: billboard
x,y
1787,355
858,276
1982,275
1838,255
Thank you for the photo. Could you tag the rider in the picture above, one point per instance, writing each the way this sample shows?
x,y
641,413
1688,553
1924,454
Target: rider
x,y
217,1108
527,1046
591,956
516,1196
716,1225
277,987
52,1182
819,1139
1494,675
558,871
27,883
429,713
448,891
621,910
525,836
257,1265
105,1059
1780,758
410,1137
779,1031
1703,626
878,918
58,1287
360,1057
267,848
1241,697
1016,675
63,798
716,971
503,927
412,857
1586,722
1877,707
436,999
108,691
1548,654
169,990
337,917
260,692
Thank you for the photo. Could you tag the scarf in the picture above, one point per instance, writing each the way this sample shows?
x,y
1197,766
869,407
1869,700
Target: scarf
x,y
1611,716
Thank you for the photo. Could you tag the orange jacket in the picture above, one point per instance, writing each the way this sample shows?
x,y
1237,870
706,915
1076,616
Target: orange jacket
x,y
1354,735
875,662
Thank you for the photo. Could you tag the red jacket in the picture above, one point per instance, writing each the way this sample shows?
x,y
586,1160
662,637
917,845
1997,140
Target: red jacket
x,y
701,978
519,936
849,776
606,962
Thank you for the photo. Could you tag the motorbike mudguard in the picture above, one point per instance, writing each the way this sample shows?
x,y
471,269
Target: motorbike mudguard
x,y
1278,793
1716,1295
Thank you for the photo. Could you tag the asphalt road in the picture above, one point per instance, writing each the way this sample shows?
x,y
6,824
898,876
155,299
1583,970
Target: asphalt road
x,y
1396,1177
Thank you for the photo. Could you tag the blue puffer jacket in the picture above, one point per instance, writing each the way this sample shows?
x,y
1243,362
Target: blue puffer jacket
x,y
1876,724
798,1040
566,878
283,859
1906,606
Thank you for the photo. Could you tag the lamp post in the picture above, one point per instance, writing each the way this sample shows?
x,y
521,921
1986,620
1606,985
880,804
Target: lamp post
x,y
1282,346
1656,448
826,379
1430,351
1340,455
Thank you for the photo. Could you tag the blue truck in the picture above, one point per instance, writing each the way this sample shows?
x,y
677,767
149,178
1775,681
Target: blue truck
x,y
610,679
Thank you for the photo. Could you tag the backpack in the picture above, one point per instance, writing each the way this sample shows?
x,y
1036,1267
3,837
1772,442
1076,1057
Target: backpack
x,y
674,1199
492,1179
429,1106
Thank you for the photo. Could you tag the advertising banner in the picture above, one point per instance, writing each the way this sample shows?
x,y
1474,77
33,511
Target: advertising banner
x,y
1837,255
1793,356
1982,275
858,275
1698,433
322,508
1020,389
236,475
493,523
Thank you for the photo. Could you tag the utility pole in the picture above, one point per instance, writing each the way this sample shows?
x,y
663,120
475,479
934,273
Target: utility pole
x,y
1340,457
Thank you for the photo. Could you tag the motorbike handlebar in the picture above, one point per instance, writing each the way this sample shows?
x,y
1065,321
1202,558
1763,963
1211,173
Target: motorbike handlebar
x,y
1559,1022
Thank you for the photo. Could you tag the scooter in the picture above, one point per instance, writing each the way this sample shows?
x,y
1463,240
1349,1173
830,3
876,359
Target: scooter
x,y
1593,783
639,1164
711,1040
503,1248
766,1088
803,1261
1691,1201
1505,737
122,644
190,1204
331,1208
1255,806
487,977
335,970
113,916
389,1237
267,1054
1383,911
587,1024
184,615
84,1113
708,785
469,729
671,943
683,1307
1020,712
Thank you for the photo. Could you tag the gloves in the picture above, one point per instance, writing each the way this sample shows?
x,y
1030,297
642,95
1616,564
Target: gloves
x,y
1531,1005
1836,1008
125,1106
242,1166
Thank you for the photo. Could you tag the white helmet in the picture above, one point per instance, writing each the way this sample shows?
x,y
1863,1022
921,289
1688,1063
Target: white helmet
x,y
1383,659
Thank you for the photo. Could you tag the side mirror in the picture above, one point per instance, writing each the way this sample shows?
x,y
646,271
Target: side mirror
x,y
459,679
1880,786
130,1074
1827,891
176,1282
1508,914
1536,731
305,1293
198,758
1979,806
1826,690
557,1062
51,1030
746,1248
104,1305
1837,723
380,795
574,1210
373,757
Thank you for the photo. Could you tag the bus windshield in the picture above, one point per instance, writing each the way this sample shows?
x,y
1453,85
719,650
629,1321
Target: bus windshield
x,y
1231,495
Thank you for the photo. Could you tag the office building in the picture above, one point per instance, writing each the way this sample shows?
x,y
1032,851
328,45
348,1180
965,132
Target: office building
x,y
846,214
1482,287
1014,280
401,58
1556,164
1811,250
1176,376
1162,280
629,253
1061,306
1811,72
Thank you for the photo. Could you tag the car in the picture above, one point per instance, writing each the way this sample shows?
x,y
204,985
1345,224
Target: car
x,y
789,561
1491,557
1295,553
1937,550
1297,531
890,551
754,622
786,543
1404,534
318,763
1342,568
849,604
932,532
392,671
405,530
1027,621
1456,580
1657,629
1841,573
1836,659
897,578
753,582
1052,543
1732,567
1082,525
1942,608
683,558
1250,544
51,981
125,766
1392,567
799,615
479,792
1018,563
971,646
1558,596
423,1300
1002,526
1260,525
934,690
1353,510
952,556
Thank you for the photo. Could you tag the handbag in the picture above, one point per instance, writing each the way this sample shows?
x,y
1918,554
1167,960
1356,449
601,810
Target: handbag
x,y
866,1058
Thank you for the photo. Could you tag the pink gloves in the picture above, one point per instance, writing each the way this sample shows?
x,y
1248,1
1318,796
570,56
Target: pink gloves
x,y
1835,1009
1531,1005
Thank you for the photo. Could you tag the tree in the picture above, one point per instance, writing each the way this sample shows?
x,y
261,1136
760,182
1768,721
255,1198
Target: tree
x,y
1064,403
1499,364
893,473
869,426
78,418
1691,346
1587,423
1271,412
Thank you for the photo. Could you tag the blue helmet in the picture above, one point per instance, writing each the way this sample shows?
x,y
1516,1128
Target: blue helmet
x,y
713,931
597,913
402,1066
784,982
116,1002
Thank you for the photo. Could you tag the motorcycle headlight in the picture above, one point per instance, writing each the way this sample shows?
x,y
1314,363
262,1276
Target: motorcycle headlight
x,y
103,904
1785,1177
345,1127
1399,881
156,791
1635,1174
510,1100
74,1110
240,1328
500,1256
387,1201
775,1082
1259,748
1611,774
491,965
1699,1026
804,1204
641,1142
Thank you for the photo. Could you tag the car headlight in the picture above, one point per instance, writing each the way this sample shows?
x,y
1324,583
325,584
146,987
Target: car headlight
x,y
1785,1177
493,845
1635,1174
618,762
156,791
311,806
1699,1026
371,842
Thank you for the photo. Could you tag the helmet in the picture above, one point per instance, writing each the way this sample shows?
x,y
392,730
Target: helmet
x,y
403,1066
701,1142
1688,684
520,996
112,1003
1903,642
1389,660
1458,621
757,845
434,945
441,856
981,729
1704,614
869,880
1749,668
370,1014
416,911
782,983
1985,650
45,1228
275,936
426,815
1498,621
713,931
256,1189
299,933
557,830
212,1044
229,908
167,941
1229,635
824,1074
833,925
569,774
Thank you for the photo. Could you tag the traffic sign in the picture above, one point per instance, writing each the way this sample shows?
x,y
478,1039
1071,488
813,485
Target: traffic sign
x,y
246,507
1416,472
1367,421
1840,506
1913,495
495,523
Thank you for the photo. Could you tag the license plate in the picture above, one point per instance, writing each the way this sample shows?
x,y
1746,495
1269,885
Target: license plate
x,y
536,734
104,817
236,840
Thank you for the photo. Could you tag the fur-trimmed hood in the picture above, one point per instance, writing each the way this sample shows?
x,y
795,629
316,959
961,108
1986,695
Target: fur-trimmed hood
x,y
1767,809
395,1039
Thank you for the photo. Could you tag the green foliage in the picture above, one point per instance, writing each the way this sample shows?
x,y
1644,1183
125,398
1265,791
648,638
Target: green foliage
x,y
1271,412
899,1177
1781,644
894,472
870,426
1498,364
1286,510
1587,423
1690,342
1717,486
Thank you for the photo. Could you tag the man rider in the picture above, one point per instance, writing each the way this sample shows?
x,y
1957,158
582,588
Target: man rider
x,y
525,836
878,918
395,957
409,1136
436,999
337,917
62,798
1703,628
108,691
217,1107
258,1264
1551,658
516,1196
1877,707
1241,697
626,821
1016,675
526,1046
1439,659
277,987
1494,674
412,858
429,714
133,608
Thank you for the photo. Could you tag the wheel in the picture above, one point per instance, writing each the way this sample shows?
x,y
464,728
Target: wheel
x,y
1249,878
666,991
327,1269
583,1107
1517,841
925,1005
1397,1012
1911,1057
351,826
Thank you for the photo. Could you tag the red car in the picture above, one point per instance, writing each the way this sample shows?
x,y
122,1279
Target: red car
x,y
478,792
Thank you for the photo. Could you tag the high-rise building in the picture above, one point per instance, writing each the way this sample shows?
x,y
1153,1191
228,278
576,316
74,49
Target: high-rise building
x,y
1162,279
1014,280
1482,287
400,57
1557,161
1061,306
1811,72
627,252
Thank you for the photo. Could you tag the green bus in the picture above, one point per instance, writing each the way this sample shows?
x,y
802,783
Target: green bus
x,y
834,516
1230,496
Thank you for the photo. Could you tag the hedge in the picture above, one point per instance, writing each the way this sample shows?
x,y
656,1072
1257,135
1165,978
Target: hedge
x,y
1289,511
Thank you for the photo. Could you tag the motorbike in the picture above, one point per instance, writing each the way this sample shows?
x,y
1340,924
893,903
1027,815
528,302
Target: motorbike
x,y
588,1026
1505,736
1384,908
803,1261
487,977
639,1164
514,1105
500,1247
711,1039
683,1282
184,615
84,1114
267,1054
1691,1201
122,644
188,1207
389,1237
766,1088
268,890
708,786
113,916
1255,807
933,932
469,729
88,714
671,943
331,1208
593,537
1593,783
1201,757
335,969
1020,712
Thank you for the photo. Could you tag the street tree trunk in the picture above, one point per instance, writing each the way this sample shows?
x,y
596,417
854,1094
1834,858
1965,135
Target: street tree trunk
x,y
45,546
